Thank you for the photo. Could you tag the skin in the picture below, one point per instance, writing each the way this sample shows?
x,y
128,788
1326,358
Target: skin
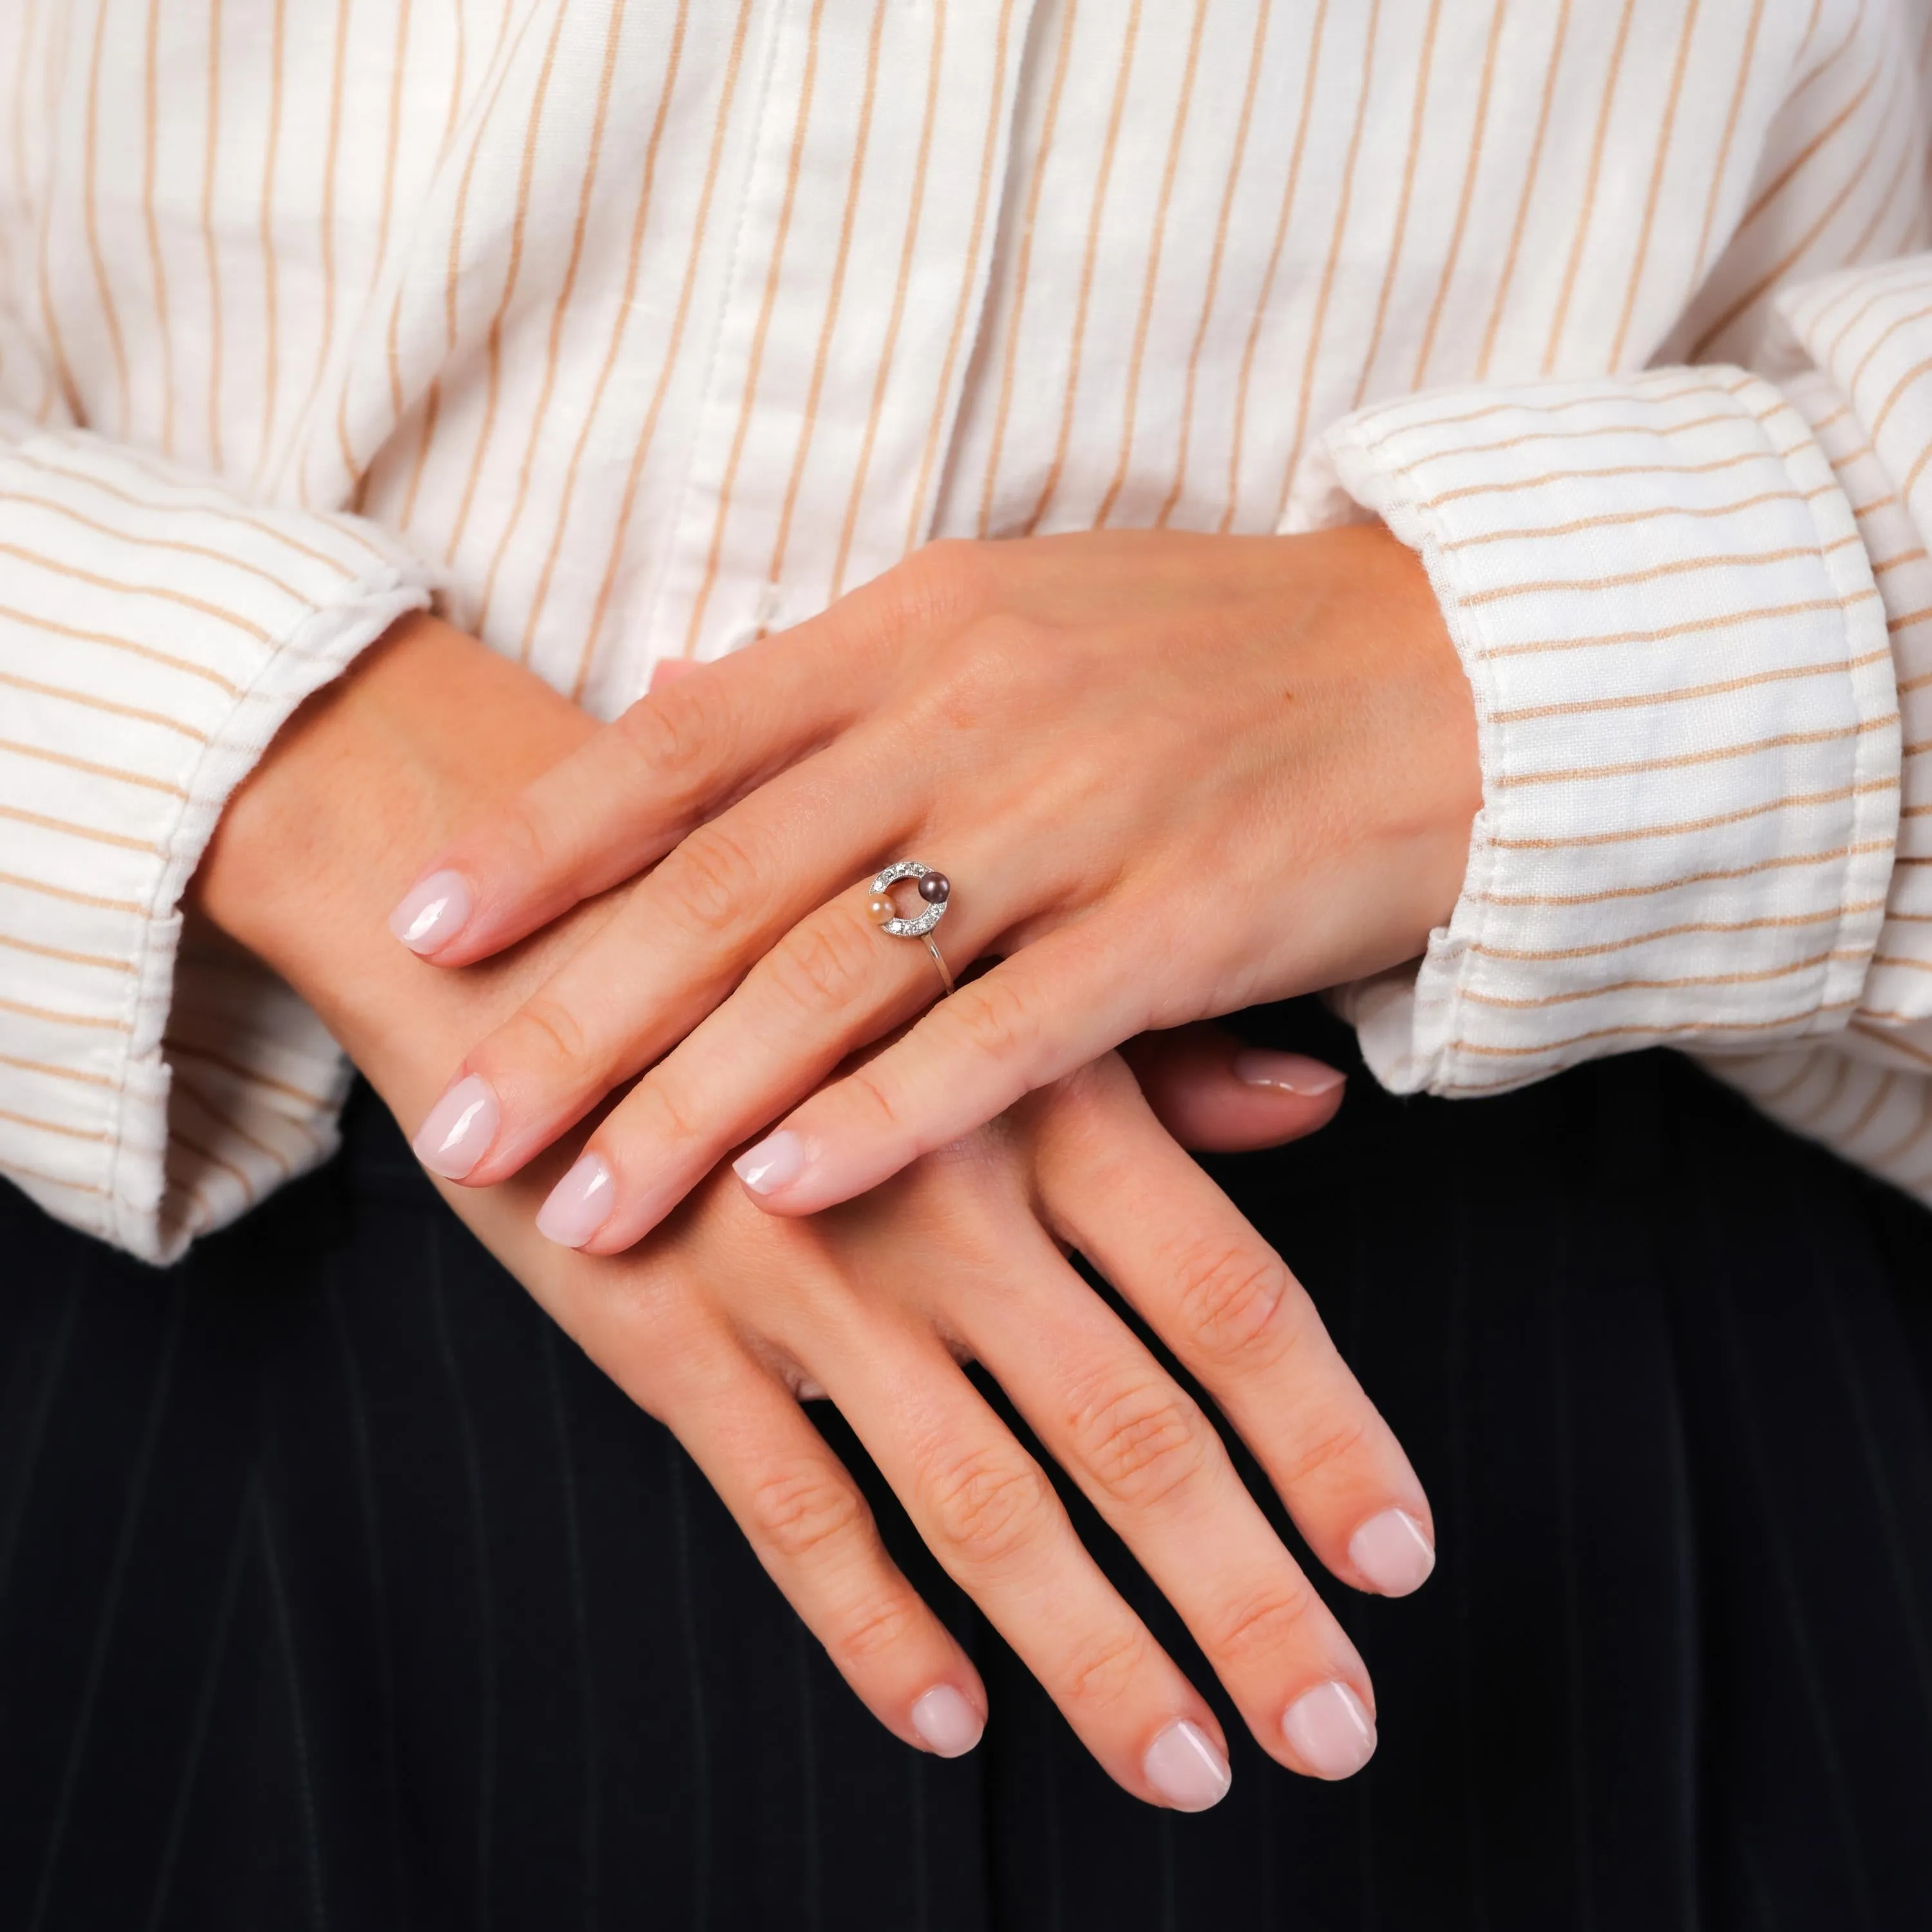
x,y
719,1323
1169,775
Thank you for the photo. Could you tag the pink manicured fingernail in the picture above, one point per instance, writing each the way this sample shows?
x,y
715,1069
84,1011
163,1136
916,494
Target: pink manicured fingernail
x,y
579,1204
1329,1730
1182,1764
1292,1072
459,1130
668,671
945,1723
773,1165
1394,1552
432,912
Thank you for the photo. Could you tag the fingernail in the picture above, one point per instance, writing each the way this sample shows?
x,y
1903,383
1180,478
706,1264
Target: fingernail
x,y
1329,1730
1291,1072
1182,1764
945,1723
432,913
773,1165
579,1204
459,1130
1394,1552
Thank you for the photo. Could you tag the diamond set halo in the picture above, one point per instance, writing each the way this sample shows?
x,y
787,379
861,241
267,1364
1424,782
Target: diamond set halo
x,y
936,900
934,889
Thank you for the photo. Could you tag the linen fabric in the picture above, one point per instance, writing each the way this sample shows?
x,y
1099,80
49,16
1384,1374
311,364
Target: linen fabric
x,y
338,1589
636,330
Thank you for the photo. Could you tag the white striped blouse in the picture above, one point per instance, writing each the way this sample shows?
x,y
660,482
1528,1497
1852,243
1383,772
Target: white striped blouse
x,y
631,328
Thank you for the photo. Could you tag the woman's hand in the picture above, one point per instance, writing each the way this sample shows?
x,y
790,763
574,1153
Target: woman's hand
x,y
1168,775
718,1323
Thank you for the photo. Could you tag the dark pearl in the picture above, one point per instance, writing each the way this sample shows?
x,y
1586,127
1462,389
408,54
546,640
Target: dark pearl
x,y
935,888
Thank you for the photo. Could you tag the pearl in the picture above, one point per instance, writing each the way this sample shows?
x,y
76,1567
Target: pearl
x,y
879,908
935,888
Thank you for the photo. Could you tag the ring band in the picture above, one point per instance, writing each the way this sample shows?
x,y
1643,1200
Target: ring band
x,y
939,960
935,888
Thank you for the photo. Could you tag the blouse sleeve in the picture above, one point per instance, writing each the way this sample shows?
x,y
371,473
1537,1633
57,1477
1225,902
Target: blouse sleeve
x,y
1695,608
156,630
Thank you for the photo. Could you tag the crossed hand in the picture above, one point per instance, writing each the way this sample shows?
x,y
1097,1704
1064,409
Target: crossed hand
x,y
1165,777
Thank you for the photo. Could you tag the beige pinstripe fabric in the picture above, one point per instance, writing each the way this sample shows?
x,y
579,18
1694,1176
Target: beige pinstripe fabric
x,y
638,329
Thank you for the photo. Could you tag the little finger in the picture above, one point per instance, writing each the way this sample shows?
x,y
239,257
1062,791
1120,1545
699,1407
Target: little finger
x,y
1046,1010
1217,1096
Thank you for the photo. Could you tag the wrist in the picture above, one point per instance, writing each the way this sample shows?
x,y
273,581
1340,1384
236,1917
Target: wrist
x,y
423,733
1443,781
1409,770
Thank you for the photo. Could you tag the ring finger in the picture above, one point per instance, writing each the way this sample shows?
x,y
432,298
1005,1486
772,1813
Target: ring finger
x,y
833,983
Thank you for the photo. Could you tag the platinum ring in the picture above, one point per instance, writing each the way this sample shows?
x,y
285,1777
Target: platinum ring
x,y
935,889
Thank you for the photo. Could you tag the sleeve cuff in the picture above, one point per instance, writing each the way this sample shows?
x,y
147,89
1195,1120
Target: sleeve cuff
x,y
156,632
1687,713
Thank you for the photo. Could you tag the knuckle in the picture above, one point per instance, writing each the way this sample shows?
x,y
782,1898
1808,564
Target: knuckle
x,y
1228,1296
712,877
1334,1440
802,1511
544,1036
672,735
985,669
1142,1442
817,967
874,1098
521,831
657,1113
651,1333
874,1629
1104,1670
945,580
988,1507
998,1019
1252,1630
1074,1125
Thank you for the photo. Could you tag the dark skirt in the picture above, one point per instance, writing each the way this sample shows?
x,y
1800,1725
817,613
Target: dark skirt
x,y
338,1590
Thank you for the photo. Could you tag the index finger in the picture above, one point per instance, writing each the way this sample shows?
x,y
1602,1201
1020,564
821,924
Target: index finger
x,y
619,802
693,745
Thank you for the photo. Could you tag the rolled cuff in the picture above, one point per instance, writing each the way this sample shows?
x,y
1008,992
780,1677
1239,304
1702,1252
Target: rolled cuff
x,y
156,632
1687,716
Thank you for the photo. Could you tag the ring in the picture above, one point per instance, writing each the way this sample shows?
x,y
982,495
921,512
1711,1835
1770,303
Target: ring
x,y
935,888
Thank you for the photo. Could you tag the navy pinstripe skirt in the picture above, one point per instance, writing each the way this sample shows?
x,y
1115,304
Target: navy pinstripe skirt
x,y
337,1593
